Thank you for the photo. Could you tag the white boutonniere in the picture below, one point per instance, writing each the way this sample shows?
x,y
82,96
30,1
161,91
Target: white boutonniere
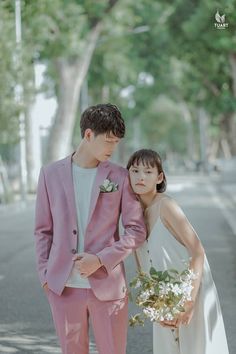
x,y
108,186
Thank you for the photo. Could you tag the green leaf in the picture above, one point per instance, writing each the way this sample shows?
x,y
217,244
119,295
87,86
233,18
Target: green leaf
x,y
136,320
165,275
173,271
133,282
157,289
153,271
180,309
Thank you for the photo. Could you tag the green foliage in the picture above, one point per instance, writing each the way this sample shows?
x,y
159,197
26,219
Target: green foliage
x,y
55,29
8,108
16,72
183,53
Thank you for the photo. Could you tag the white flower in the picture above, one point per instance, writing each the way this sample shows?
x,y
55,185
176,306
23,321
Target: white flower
x,y
169,317
164,288
176,289
186,288
189,275
108,186
138,284
106,183
145,295
151,313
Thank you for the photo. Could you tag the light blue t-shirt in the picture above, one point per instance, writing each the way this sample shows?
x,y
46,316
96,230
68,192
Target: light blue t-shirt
x,y
83,180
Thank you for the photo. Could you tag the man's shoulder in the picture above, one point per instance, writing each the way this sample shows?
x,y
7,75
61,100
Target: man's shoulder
x,y
52,166
118,169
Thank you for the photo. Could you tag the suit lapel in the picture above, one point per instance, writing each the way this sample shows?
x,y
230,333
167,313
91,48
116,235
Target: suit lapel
x,y
67,181
102,173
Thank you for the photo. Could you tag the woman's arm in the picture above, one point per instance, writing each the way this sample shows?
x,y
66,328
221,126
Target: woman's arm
x,y
177,223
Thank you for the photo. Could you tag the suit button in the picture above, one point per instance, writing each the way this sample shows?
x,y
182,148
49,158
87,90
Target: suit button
x,y
74,232
73,250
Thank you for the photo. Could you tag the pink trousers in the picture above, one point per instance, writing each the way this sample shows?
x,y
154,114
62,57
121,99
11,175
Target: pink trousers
x,y
71,313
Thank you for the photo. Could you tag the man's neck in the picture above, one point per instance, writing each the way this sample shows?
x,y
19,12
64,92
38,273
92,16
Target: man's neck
x,y
82,158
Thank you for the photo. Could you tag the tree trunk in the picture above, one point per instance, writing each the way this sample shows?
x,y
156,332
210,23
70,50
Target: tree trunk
x,y
232,60
232,123
33,148
204,138
190,139
232,133
71,77
6,194
228,130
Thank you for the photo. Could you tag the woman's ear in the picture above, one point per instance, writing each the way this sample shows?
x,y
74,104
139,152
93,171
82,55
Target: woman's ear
x,y
160,178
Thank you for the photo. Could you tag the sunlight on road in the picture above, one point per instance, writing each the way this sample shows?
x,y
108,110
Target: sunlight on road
x,y
12,342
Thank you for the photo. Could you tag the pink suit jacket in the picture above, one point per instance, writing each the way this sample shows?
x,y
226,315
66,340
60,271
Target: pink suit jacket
x,y
56,228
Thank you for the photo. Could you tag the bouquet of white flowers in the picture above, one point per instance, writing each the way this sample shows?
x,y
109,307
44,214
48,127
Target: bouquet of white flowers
x,y
162,294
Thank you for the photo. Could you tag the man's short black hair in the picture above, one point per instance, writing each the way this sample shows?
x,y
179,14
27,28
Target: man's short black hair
x,y
101,119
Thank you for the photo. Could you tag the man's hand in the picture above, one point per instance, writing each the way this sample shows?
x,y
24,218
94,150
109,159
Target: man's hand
x,y
86,263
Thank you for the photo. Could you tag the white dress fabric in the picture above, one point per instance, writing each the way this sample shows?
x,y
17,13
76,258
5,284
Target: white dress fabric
x,y
206,333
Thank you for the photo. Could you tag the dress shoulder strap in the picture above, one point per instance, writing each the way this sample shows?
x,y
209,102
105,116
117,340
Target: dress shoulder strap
x,y
154,213
153,218
160,205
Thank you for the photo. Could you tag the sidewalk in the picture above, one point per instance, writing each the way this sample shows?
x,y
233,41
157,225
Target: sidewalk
x,y
17,206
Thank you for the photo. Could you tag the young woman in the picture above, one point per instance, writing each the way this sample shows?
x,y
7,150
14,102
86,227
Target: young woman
x,y
171,243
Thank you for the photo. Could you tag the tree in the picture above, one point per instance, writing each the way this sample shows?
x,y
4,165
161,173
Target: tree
x,y
208,61
8,74
67,46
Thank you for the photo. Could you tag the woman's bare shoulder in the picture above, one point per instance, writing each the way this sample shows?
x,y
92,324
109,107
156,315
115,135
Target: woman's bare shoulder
x,y
170,208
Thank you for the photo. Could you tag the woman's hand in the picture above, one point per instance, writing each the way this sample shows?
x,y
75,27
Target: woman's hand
x,y
169,324
184,318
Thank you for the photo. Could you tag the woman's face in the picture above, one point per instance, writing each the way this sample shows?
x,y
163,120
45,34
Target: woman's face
x,y
144,178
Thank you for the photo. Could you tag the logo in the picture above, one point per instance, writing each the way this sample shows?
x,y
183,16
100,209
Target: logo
x,y
220,21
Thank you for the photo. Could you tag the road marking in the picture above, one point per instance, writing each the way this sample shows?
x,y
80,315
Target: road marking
x,y
228,209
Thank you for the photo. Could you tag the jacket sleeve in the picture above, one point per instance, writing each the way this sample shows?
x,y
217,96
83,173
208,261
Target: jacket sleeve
x,y
43,228
134,230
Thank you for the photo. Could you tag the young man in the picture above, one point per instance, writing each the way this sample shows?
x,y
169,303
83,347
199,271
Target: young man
x,y
79,250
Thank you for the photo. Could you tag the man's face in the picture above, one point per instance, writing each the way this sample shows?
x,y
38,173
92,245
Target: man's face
x,y
101,146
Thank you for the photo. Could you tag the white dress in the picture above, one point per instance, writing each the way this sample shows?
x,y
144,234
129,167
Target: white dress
x,y
206,333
